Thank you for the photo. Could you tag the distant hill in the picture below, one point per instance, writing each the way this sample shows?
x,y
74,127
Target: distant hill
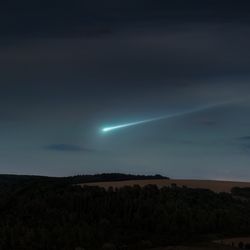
x,y
116,177
216,186
12,179
118,180
8,179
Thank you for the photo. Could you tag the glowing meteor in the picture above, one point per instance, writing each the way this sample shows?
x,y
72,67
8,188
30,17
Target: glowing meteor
x,y
199,109
128,124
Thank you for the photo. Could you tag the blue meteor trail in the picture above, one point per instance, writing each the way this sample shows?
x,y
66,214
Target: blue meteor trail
x,y
199,109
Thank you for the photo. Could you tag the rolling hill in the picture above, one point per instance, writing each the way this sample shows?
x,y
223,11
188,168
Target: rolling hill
x,y
214,185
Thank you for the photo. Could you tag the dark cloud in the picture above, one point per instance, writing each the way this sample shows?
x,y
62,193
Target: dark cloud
x,y
67,147
245,138
97,17
208,122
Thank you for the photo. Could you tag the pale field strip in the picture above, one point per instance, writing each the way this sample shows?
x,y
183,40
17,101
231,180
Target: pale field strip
x,y
214,185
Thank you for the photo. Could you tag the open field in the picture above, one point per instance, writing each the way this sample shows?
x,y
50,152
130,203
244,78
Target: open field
x,y
216,186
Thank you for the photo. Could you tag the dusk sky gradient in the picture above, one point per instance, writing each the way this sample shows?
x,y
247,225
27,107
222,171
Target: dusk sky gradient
x,y
70,68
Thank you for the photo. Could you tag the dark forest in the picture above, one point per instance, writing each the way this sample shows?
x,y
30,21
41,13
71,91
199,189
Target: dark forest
x,y
45,213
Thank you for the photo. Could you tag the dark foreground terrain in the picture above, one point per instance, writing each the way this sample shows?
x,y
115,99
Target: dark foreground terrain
x,y
202,246
54,213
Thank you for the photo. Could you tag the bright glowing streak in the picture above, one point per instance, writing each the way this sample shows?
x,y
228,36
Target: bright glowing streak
x,y
128,124
107,129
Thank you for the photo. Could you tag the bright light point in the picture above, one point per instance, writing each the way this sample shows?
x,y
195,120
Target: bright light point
x,y
105,130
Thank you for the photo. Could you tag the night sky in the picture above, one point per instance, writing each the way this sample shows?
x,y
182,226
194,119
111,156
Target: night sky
x,y
70,68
